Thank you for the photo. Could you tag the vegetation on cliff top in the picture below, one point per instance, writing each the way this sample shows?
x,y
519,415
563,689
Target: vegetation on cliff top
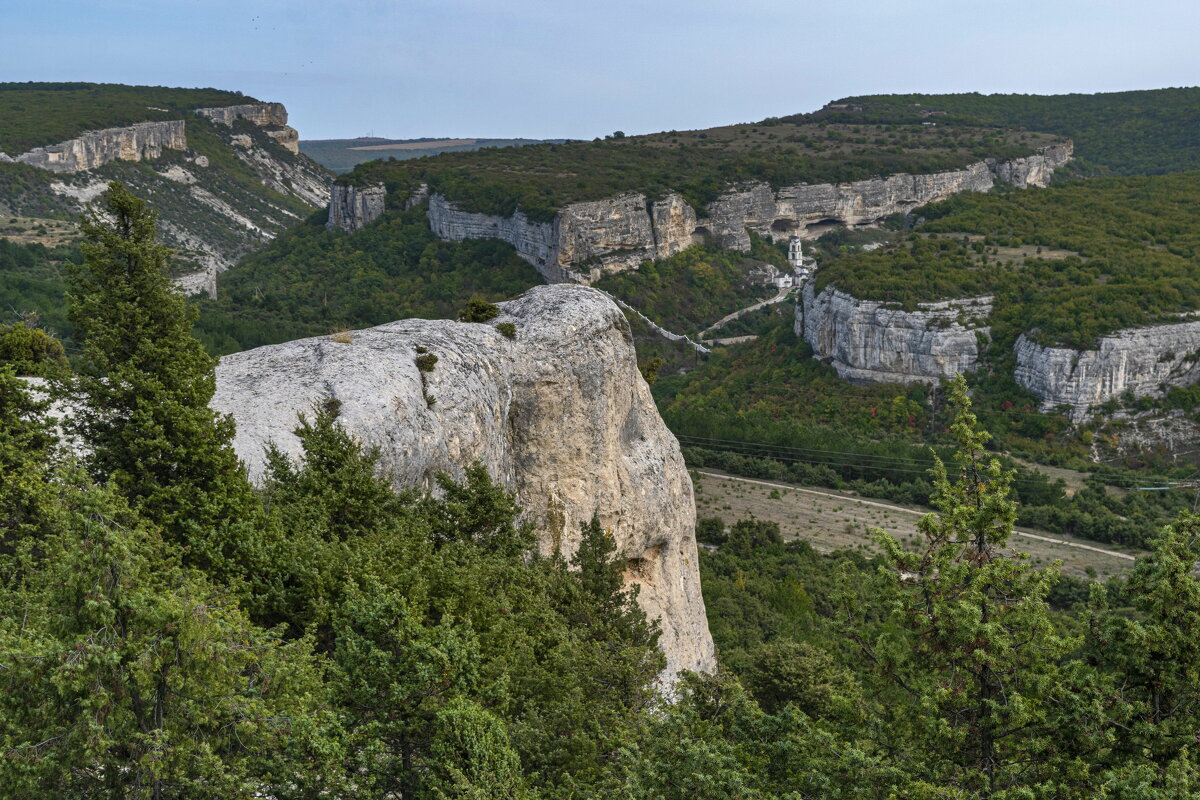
x,y
39,114
1069,263
1123,133
540,179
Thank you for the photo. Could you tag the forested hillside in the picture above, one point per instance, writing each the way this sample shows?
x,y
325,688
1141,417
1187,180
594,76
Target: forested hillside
x,y
699,165
323,635
1123,133
342,155
38,114
310,282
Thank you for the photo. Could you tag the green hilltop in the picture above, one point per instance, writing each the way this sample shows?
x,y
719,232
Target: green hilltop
x,y
1124,133
39,114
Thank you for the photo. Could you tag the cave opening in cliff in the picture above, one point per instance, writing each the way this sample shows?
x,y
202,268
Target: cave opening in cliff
x,y
784,225
815,229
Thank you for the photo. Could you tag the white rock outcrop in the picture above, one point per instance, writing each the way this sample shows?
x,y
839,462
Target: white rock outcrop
x,y
585,241
138,142
272,117
1141,361
352,207
866,340
560,414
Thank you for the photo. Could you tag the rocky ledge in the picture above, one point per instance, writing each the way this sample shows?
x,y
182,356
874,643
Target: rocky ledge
x,y
138,142
560,414
866,340
586,241
1142,361
271,117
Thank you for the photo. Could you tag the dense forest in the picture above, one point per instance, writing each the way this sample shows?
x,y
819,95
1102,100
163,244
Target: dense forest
x,y
38,114
169,631
540,179
1123,133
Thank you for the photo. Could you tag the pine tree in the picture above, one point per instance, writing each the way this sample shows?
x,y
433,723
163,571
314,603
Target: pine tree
x,y
142,395
977,651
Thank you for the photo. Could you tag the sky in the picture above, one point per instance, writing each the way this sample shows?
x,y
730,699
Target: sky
x,y
570,69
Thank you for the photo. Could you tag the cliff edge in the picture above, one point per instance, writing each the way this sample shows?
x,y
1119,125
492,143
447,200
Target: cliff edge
x,y
559,414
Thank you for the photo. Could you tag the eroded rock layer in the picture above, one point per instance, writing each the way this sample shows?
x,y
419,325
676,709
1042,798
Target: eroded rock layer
x,y
866,340
351,207
138,142
1142,361
586,241
560,414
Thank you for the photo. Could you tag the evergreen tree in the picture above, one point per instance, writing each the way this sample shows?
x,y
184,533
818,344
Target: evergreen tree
x,y
976,650
145,383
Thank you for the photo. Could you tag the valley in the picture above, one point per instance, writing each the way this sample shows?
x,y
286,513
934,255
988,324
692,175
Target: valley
x,y
551,469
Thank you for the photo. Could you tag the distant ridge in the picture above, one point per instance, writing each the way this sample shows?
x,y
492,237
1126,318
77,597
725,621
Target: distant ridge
x,y
342,155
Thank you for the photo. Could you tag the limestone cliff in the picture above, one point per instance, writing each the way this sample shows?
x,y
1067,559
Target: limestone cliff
x,y
272,117
138,142
588,240
260,114
870,341
790,210
351,207
210,215
1142,361
560,414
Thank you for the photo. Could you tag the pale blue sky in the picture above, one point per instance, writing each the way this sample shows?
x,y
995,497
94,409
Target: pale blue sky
x,y
409,68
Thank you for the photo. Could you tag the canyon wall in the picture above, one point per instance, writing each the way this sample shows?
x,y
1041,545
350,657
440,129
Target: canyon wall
x,y
866,340
138,142
351,207
588,240
559,414
585,240
1141,361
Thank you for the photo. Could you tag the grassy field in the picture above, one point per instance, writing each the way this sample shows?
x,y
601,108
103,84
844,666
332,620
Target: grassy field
x,y
831,520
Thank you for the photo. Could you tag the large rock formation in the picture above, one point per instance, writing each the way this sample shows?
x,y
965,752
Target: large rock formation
x,y
260,114
351,207
272,117
1141,361
138,142
867,340
586,241
560,414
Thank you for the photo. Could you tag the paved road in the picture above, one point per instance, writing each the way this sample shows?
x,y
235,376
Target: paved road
x,y
903,510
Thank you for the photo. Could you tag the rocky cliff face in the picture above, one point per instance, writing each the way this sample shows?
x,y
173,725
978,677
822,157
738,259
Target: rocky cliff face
x,y
209,215
588,240
144,140
350,207
260,114
560,414
272,117
867,341
1142,361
